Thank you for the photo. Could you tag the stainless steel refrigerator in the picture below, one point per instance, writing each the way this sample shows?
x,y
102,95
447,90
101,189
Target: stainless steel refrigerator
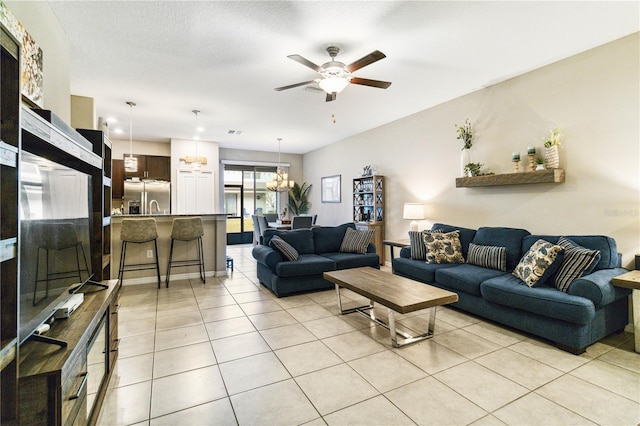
x,y
147,197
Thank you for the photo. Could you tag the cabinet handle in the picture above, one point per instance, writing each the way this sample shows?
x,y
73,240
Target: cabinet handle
x,y
85,376
115,349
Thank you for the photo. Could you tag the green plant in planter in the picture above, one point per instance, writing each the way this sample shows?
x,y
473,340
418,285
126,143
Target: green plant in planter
x,y
539,160
465,134
473,169
298,202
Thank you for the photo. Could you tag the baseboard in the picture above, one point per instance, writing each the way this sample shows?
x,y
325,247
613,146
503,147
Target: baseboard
x,y
188,275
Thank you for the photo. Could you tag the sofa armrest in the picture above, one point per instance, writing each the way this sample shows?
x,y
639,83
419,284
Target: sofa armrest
x,y
405,252
371,248
597,286
267,256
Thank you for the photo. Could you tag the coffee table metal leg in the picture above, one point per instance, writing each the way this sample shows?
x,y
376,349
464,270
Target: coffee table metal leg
x,y
408,339
359,309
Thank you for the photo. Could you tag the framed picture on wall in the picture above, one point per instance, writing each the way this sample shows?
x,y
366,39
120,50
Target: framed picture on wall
x,y
331,189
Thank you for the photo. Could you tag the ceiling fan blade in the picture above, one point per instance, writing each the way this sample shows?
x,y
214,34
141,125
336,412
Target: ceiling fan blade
x,y
366,60
291,86
305,62
331,97
373,83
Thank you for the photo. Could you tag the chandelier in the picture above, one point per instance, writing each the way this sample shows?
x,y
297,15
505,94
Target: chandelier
x,y
280,182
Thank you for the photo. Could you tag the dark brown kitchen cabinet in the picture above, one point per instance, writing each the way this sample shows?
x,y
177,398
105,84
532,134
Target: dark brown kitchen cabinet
x,y
117,180
151,167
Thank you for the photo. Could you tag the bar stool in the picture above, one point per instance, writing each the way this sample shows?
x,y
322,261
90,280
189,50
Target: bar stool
x,y
57,237
138,231
187,229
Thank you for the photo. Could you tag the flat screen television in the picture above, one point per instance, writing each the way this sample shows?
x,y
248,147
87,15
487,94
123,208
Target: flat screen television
x,y
55,237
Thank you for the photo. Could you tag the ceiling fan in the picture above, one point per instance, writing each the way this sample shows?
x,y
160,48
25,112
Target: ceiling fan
x,y
336,75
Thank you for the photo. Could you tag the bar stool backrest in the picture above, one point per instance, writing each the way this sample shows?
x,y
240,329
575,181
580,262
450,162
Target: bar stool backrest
x,y
187,228
139,230
59,236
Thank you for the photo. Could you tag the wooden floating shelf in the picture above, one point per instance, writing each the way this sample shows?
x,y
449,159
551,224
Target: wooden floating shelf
x,y
523,178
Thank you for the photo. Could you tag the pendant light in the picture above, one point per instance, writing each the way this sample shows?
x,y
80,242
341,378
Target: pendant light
x,y
280,182
196,164
131,162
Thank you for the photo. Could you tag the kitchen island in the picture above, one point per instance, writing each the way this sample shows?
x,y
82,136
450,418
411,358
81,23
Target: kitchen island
x,y
214,244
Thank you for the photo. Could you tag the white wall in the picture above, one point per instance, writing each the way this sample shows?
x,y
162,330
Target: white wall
x,y
592,97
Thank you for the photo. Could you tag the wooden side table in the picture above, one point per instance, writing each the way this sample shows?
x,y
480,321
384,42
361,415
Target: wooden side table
x,y
396,243
632,280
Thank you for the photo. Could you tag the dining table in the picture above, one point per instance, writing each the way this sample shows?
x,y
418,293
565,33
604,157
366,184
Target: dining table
x,y
281,226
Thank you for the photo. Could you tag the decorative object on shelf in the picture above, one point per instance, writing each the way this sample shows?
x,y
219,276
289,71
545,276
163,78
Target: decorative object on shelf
x,y
298,201
131,162
281,182
283,215
551,144
465,134
515,157
472,169
330,188
367,171
540,163
413,212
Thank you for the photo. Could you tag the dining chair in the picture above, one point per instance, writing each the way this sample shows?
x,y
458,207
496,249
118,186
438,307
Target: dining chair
x,y
301,222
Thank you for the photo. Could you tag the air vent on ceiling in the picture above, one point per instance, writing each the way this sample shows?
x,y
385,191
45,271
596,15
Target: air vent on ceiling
x,y
234,132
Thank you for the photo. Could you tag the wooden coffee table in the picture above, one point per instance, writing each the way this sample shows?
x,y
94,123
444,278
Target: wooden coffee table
x,y
397,294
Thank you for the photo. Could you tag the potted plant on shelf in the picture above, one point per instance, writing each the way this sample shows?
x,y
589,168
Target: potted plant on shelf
x,y
540,163
472,169
298,202
465,134
551,144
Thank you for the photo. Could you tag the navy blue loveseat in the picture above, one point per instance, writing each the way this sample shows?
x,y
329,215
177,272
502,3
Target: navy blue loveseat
x,y
319,251
590,309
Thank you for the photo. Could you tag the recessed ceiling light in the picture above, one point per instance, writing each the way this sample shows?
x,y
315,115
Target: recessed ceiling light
x,y
112,120
234,132
117,131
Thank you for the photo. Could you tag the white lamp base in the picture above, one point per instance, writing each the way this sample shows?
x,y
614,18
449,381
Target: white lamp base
x,y
413,226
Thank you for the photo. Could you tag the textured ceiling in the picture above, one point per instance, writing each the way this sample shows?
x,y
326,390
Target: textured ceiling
x,y
224,58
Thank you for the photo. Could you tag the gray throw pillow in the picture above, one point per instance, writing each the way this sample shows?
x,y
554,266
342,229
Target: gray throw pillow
x,y
283,247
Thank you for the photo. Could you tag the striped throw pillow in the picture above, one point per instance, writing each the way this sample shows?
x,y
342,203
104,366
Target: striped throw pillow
x,y
416,239
488,256
577,262
284,248
356,241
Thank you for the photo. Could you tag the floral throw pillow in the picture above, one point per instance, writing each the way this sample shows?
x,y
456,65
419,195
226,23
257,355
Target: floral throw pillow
x,y
536,264
443,247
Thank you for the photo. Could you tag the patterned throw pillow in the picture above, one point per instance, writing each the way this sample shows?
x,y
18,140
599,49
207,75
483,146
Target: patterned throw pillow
x,y
416,239
536,262
356,241
283,247
488,256
577,262
443,248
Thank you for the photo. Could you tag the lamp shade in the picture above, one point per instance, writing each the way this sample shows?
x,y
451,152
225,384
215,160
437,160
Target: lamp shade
x,y
413,212
333,84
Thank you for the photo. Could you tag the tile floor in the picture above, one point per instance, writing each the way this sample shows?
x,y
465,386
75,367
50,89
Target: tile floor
x,y
229,353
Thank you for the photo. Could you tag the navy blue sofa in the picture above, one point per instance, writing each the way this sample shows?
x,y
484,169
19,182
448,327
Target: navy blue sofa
x,y
319,250
589,310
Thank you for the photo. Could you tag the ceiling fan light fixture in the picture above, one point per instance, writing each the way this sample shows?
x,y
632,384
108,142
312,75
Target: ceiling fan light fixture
x,y
333,84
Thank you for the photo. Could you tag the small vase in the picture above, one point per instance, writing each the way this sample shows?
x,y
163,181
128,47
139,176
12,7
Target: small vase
x,y
551,158
465,158
540,167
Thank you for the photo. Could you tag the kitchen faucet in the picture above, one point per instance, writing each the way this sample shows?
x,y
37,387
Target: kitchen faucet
x,y
151,206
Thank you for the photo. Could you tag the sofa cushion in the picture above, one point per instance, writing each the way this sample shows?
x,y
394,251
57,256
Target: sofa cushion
x,y
488,257
607,246
327,239
299,239
578,261
353,260
544,300
284,248
539,263
465,277
466,235
307,264
418,270
511,238
443,248
356,241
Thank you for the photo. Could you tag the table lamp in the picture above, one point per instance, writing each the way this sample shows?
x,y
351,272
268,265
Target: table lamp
x,y
413,212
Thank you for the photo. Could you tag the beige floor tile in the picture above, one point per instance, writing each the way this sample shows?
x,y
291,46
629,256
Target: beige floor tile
x,y
309,312
430,356
215,301
307,357
203,414
229,327
126,405
132,370
260,307
593,402
242,288
136,313
177,307
325,296
466,343
288,335
138,299
252,372
625,358
294,301
375,411
521,369
386,370
419,324
430,402
135,328
499,335
184,390
184,358
209,290
538,411
327,327
549,355
272,319
253,296
353,345
455,317
186,319
472,381
334,388
488,420
221,313
281,403
611,377
242,345
136,345
183,336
